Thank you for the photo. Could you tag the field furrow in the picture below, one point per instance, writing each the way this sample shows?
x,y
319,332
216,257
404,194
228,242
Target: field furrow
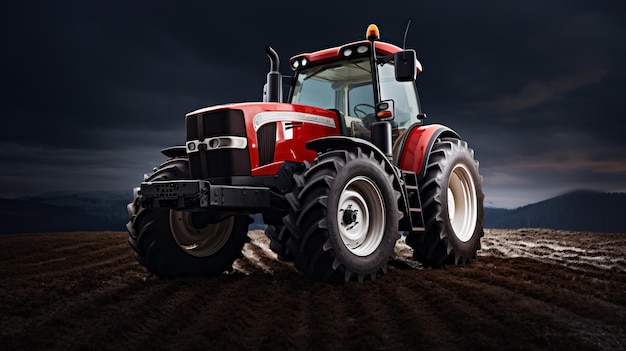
x,y
528,289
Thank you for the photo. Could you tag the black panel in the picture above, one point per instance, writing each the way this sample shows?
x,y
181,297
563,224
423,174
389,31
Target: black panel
x,y
217,163
266,138
191,125
195,165
227,162
224,122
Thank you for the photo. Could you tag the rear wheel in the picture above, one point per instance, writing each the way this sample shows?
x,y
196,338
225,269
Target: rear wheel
x,y
172,243
343,218
452,198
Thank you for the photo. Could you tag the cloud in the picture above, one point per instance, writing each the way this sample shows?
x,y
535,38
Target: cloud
x,y
571,163
537,93
35,168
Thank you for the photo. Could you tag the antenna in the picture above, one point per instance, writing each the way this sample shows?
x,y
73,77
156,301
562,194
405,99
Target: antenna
x,y
406,31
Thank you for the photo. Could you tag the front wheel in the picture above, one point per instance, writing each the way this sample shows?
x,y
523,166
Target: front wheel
x,y
452,198
172,243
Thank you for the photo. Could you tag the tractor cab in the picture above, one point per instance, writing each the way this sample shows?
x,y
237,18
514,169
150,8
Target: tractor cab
x,y
354,79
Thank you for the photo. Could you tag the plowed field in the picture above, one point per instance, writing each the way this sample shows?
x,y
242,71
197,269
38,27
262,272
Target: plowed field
x,y
529,289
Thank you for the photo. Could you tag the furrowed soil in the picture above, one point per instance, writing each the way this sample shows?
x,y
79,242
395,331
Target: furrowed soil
x,y
529,289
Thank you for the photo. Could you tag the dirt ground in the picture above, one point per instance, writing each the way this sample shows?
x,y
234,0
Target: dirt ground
x,y
529,289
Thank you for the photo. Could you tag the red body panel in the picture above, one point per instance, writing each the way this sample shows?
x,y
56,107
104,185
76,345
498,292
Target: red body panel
x,y
295,125
418,144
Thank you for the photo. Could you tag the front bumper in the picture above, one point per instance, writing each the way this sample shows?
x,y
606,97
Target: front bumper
x,y
201,194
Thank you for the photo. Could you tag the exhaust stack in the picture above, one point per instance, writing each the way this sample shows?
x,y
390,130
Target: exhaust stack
x,y
273,91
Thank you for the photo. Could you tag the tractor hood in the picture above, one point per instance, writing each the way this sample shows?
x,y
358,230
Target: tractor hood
x,y
244,139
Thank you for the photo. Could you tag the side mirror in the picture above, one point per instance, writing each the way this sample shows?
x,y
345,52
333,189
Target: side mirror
x,y
406,65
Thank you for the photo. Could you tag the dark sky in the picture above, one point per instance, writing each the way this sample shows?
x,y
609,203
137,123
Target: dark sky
x,y
92,90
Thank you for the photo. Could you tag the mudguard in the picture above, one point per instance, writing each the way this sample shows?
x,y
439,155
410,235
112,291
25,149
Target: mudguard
x,y
175,151
415,144
340,143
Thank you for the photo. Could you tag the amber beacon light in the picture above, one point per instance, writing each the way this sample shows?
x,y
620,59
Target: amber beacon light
x,y
372,32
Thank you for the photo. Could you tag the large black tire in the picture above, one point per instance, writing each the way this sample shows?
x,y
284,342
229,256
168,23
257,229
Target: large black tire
x,y
278,236
452,204
173,243
343,217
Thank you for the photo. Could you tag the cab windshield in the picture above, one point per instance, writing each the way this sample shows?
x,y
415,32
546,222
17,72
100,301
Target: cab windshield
x,y
346,86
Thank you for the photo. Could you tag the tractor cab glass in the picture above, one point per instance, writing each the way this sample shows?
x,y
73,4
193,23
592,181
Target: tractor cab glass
x,y
346,86
403,94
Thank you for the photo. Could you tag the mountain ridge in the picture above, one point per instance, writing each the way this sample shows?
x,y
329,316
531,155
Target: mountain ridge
x,y
578,210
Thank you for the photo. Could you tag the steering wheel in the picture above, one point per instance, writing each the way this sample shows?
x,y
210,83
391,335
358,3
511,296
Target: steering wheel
x,y
359,112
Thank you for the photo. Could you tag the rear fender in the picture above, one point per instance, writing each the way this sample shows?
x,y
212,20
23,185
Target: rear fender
x,y
416,144
342,143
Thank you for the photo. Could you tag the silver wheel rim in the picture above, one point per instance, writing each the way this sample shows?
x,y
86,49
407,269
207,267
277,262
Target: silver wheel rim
x,y
361,216
201,242
462,204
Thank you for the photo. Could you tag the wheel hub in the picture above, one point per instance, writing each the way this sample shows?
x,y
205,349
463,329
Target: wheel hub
x,y
199,220
361,216
462,203
195,234
349,215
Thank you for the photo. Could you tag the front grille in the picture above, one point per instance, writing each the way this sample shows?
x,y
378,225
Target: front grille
x,y
216,123
217,163
266,138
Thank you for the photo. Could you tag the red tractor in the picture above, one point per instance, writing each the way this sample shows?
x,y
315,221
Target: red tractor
x,y
337,172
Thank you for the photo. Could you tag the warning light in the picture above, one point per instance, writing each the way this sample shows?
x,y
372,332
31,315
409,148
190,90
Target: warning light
x,y
372,32
383,114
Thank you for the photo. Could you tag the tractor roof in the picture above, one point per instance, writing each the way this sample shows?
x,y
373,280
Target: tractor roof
x,y
334,53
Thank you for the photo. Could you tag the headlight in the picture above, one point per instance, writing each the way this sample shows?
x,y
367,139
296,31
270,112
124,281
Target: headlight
x,y
191,146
